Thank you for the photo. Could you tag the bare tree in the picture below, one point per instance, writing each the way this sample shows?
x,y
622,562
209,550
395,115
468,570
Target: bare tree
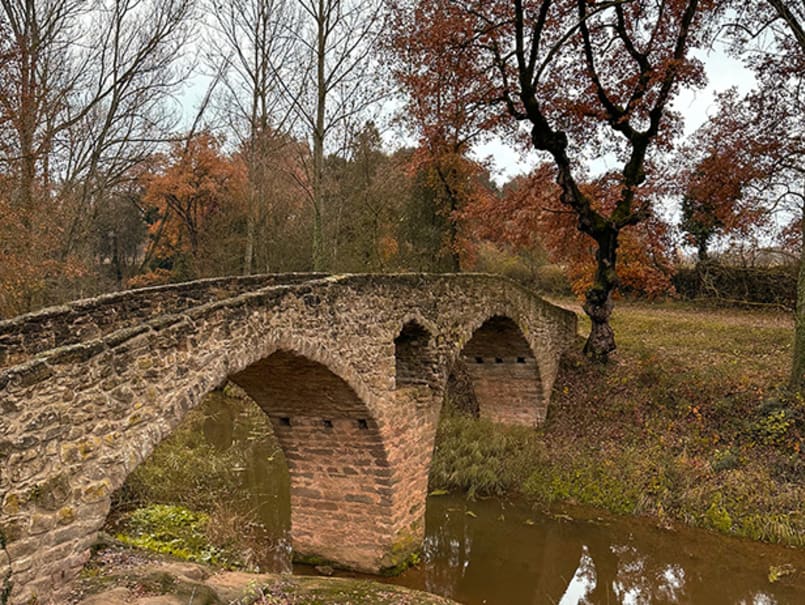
x,y
129,94
252,52
89,101
335,41
41,70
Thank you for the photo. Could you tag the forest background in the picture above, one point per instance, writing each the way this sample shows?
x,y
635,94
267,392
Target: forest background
x,y
109,181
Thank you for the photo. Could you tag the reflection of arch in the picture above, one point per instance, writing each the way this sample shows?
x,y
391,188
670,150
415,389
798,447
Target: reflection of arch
x,y
504,373
414,363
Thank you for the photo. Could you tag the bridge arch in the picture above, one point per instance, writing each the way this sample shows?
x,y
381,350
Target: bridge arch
x,y
415,357
96,405
337,459
504,373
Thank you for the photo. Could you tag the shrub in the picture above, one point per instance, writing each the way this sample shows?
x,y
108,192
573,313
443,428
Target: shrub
x,y
769,285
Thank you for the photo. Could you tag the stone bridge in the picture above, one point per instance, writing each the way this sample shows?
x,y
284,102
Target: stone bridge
x,y
351,370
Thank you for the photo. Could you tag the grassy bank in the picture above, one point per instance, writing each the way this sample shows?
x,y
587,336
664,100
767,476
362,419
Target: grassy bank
x,y
688,424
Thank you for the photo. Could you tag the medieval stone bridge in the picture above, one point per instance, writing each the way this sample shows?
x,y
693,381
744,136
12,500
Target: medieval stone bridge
x,y
351,370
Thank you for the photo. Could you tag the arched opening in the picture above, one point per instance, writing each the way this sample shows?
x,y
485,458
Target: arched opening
x,y
414,363
331,500
501,374
339,470
215,489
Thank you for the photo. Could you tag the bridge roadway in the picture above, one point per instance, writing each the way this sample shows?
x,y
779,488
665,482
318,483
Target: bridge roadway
x,y
351,369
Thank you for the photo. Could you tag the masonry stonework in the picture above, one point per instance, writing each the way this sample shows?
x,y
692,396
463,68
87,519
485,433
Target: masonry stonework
x,y
350,369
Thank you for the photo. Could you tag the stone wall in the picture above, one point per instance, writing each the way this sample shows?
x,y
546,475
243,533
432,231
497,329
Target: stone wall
x,y
322,359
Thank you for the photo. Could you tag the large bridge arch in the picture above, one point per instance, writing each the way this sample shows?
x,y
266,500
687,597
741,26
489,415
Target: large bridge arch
x,y
504,372
341,505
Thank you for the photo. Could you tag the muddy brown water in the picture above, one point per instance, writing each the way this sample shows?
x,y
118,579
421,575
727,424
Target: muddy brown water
x,y
503,552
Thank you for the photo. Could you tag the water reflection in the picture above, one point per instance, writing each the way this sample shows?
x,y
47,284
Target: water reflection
x,y
237,425
502,553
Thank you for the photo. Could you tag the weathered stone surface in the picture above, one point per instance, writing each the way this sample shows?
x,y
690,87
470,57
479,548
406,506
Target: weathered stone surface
x,y
232,585
116,596
183,571
351,370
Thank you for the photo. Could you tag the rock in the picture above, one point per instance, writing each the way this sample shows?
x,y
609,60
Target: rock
x,y
160,600
184,571
116,596
232,585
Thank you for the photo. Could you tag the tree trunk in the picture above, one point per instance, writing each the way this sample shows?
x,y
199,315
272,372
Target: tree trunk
x,y
797,380
248,253
598,304
318,141
601,342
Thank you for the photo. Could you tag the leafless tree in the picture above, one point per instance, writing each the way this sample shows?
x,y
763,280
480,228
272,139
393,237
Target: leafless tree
x,y
335,41
253,53
91,97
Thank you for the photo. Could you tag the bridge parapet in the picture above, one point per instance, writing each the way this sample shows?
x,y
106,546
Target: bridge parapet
x,y
26,336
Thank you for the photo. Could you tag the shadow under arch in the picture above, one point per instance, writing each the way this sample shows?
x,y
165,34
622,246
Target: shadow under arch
x,y
339,468
502,373
414,360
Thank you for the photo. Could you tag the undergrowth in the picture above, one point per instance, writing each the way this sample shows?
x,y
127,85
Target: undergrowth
x,y
172,530
222,465
480,458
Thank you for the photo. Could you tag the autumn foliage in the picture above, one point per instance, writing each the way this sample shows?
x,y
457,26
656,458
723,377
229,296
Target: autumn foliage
x,y
529,213
587,78
195,192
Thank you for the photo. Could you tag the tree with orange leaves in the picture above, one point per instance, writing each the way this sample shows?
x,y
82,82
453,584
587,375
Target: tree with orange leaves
x,y
725,171
445,106
587,78
529,213
195,186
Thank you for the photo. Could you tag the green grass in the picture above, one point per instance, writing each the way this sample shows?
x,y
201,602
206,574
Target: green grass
x,y
480,458
171,530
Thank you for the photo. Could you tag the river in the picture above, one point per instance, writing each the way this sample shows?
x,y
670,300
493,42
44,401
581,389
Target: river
x,y
503,552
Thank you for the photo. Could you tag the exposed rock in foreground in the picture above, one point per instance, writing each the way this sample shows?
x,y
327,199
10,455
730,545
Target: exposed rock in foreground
x,y
120,576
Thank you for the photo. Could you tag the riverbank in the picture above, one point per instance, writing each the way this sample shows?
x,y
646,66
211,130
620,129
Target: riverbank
x,y
117,575
688,424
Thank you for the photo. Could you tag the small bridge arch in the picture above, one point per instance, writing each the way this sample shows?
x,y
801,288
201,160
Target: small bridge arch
x,y
350,369
504,373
